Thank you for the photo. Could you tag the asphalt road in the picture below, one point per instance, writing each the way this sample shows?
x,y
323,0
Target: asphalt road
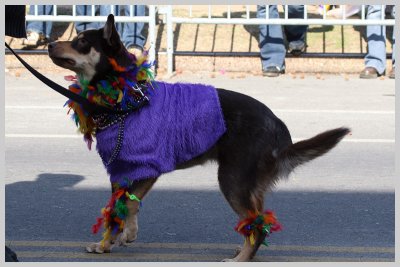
x,y
339,207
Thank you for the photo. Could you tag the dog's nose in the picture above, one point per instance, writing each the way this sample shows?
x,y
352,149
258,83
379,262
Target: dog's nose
x,y
51,46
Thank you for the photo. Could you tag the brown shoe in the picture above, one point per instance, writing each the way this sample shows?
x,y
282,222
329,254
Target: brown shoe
x,y
369,73
392,74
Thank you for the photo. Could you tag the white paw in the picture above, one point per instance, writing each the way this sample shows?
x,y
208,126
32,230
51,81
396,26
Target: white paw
x,y
127,236
228,260
238,250
98,248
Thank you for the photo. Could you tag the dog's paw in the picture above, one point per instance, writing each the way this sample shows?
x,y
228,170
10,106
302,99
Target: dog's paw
x,y
127,236
238,250
234,259
228,260
98,248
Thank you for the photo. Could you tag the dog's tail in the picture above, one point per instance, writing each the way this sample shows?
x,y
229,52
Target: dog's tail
x,y
306,150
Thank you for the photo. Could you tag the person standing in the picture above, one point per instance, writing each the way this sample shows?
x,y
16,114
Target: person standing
x,y
375,59
38,32
272,45
131,33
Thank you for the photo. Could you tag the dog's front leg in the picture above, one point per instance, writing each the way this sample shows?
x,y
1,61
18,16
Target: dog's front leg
x,y
102,246
129,234
138,190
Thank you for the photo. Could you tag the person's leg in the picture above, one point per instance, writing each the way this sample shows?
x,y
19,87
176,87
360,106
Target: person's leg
x,y
132,35
38,31
85,10
393,72
272,48
375,60
296,34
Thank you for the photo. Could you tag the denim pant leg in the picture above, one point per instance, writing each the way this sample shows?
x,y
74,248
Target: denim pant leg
x,y
394,49
376,37
41,27
132,33
272,48
295,32
85,10
394,39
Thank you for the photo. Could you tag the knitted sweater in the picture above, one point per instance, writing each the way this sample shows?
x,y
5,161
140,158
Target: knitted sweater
x,y
181,121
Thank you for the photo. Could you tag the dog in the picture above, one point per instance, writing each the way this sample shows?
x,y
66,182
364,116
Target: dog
x,y
253,147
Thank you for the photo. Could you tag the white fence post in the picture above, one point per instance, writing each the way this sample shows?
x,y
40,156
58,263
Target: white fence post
x,y
170,42
152,32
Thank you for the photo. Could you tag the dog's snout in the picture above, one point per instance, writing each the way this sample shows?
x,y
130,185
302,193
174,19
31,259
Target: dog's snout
x,y
51,46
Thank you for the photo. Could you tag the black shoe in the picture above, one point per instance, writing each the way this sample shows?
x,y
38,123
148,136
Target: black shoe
x,y
10,255
273,71
296,48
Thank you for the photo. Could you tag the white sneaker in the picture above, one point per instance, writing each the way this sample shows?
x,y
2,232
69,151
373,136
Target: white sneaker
x,y
34,38
135,51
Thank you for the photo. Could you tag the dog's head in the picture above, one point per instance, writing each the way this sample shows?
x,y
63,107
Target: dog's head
x,y
88,54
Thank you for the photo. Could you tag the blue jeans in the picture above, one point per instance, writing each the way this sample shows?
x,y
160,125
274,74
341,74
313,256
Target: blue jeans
x,y
271,43
376,38
41,27
394,39
86,10
131,32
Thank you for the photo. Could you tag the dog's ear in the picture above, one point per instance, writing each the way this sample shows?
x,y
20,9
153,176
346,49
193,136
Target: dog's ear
x,y
110,33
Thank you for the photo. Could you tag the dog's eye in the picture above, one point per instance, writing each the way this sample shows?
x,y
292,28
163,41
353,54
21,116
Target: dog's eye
x,y
82,41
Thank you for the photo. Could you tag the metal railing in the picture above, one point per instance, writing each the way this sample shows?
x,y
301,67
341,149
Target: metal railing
x,y
171,19
150,19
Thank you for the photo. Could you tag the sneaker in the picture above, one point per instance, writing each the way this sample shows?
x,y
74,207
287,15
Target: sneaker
x,y
296,48
273,71
392,73
34,39
136,50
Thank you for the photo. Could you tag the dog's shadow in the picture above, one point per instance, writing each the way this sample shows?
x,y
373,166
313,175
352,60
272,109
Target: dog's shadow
x,y
46,208
50,208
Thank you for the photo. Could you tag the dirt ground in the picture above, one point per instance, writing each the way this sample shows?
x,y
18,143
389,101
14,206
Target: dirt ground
x,y
232,38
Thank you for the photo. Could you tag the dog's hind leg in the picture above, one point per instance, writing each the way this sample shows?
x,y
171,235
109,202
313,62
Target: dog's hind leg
x,y
244,198
139,189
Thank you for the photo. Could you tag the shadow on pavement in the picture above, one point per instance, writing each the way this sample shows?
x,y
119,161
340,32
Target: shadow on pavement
x,y
50,209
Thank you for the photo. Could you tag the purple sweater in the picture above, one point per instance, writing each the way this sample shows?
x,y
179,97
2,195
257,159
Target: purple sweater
x,y
180,122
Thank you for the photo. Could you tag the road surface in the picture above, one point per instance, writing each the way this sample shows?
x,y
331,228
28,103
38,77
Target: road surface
x,y
340,207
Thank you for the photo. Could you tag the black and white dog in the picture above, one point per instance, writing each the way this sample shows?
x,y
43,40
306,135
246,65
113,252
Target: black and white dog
x,y
253,153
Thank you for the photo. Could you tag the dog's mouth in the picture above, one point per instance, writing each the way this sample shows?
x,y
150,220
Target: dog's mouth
x,y
62,61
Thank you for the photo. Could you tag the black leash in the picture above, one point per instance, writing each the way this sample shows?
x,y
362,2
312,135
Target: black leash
x,y
87,105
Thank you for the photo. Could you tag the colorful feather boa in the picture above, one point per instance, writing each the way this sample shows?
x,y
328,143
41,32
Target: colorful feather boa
x,y
115,212
118,90
265,223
